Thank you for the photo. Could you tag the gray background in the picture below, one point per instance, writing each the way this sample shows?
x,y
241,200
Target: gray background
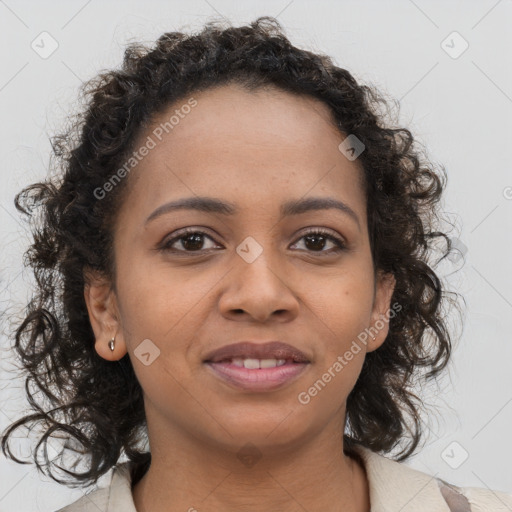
x,y
458,105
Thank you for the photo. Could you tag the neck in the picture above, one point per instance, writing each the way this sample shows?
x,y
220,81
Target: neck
x,y
315,475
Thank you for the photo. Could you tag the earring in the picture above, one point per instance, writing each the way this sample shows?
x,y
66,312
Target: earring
x,y
111,344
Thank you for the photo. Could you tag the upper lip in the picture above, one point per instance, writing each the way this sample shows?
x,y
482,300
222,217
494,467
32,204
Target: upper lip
x,y
257,350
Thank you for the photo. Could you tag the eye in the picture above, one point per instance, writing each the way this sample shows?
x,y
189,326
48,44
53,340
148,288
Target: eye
x,y
190,239
315,241
193,240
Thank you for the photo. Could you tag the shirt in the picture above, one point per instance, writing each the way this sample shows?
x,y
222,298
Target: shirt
x,y
394,487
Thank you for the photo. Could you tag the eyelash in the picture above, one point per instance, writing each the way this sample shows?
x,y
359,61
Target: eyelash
x,y
166,246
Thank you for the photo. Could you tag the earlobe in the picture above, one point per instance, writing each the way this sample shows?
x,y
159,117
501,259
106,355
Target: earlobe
x,y
112,350
103,313
382,311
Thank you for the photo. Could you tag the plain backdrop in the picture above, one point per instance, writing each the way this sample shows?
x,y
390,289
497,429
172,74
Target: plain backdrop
x,y
449,63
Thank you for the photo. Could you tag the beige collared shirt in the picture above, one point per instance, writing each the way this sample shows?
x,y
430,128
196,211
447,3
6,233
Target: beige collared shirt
x,y
394,487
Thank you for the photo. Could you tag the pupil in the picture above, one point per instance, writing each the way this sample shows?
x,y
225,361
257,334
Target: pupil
x,y
196,239
315,239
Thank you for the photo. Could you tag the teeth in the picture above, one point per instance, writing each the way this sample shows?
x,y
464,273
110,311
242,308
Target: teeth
x,y
268,363
253,364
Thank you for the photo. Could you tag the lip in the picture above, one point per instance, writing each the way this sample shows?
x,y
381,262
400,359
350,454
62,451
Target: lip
x,y
257,380
257,350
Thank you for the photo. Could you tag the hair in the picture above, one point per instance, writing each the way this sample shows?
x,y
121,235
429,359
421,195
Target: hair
x,y
97,406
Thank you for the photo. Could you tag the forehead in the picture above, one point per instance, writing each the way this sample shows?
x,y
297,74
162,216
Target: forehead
x,y
253,148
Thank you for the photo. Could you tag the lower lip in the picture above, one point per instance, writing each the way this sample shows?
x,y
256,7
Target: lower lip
x,y
259,379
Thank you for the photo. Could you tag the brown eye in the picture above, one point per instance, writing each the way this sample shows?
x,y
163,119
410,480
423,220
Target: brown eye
x,y
193,240
315,241
189,241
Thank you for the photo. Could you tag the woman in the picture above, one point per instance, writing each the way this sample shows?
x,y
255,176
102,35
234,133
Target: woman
x,y
233,266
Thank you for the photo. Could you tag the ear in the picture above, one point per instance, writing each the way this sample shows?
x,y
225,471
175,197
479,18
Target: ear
x,y
103,312
382,311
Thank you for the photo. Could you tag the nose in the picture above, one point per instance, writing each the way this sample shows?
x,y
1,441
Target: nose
x,y
258,290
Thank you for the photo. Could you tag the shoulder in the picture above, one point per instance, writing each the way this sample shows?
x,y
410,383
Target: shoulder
x,y
393,486
94,501
396,486
114,497
478,499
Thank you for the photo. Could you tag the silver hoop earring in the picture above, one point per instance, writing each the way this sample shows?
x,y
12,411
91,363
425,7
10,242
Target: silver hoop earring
x,y
111,344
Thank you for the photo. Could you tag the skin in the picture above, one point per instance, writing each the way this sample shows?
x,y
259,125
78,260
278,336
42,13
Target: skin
x,y
256,150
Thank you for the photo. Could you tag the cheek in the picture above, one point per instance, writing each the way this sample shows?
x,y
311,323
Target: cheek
x,y
162,313
158,301
340,310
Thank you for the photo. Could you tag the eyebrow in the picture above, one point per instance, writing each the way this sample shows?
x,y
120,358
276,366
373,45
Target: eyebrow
x,y
289,208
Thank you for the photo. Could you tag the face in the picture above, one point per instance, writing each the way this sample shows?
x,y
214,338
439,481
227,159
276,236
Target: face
x,y
249,272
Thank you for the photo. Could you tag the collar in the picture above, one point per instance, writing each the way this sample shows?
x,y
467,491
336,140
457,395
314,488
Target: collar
x,y
393,486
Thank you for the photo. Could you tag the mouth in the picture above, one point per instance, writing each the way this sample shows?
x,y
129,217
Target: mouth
x,y
246,350
257,366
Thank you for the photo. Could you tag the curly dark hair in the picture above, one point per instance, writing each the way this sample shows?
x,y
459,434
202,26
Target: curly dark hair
x,y
97,406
